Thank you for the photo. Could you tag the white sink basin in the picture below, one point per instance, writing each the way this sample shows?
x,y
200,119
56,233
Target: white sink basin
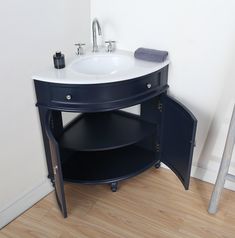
x,y
102,64
100,67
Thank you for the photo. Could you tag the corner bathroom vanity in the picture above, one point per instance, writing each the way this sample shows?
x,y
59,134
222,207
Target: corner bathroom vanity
x,y
105,144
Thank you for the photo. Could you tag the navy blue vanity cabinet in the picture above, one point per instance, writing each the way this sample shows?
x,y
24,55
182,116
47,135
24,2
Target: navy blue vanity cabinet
x,y
104,144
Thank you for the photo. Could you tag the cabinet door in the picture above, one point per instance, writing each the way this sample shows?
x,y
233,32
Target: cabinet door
x,y
177,138
55,159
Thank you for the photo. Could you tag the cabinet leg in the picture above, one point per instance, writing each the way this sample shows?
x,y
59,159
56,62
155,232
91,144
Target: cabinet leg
x,y
158,164
52,179
114,186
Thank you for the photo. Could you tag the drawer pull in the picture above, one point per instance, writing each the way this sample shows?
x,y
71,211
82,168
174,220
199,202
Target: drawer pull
x,y
68,97
149,85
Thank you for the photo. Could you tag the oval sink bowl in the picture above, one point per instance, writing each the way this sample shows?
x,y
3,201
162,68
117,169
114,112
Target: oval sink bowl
x,y
102,64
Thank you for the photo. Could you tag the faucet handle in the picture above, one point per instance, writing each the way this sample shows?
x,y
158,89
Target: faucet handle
x,y
110,45
80,50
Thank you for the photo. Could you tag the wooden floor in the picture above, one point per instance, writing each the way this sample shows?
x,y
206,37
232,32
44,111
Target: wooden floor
x,y
153,204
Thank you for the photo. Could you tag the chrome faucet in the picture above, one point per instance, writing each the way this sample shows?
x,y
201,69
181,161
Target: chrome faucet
x,y
94,24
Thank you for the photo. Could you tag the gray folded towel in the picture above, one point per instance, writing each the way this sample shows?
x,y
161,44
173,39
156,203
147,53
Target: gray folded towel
x,y
151,55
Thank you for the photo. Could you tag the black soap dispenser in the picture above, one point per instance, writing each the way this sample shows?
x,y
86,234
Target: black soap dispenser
x,y
59,61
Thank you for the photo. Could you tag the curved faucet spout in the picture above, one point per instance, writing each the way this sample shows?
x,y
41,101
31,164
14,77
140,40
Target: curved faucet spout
x,y
95,24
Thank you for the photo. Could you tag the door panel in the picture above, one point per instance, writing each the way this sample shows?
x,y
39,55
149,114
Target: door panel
x,y
177,138
55,159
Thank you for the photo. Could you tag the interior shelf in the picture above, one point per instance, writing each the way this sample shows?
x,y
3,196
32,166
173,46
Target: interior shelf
x,y
107,166
105,131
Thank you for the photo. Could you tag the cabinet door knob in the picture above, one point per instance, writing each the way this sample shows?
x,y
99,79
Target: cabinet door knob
x,y
55,169
68,97
149,85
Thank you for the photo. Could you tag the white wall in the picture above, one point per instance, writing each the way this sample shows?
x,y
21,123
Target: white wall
x,y
199,36
30,32
214,146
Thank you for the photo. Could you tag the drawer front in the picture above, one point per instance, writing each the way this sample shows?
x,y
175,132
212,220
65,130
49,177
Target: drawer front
x,y
101,93
64,94
99,96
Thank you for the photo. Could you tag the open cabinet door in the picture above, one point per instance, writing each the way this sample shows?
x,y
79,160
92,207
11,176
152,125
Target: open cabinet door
x,y
55,159
177,138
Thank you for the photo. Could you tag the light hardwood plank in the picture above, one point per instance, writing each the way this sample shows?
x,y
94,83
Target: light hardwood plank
x,y
153,204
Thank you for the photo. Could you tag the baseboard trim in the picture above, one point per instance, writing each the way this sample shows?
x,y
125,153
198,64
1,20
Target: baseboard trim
x,y
24,202
208,175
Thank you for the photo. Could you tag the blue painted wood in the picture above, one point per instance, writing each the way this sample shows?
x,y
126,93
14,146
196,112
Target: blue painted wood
x,y
100,97
164,131
42,114
177,138
107,166
105,131
55,162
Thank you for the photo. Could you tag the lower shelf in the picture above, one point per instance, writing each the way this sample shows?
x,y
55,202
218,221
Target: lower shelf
x,y
107,166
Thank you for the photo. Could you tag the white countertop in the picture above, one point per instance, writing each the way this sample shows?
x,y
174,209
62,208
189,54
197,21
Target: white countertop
x,y
68,76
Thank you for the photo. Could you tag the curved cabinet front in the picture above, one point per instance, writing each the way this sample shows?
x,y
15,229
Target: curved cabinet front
x,y
107,147
101,97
